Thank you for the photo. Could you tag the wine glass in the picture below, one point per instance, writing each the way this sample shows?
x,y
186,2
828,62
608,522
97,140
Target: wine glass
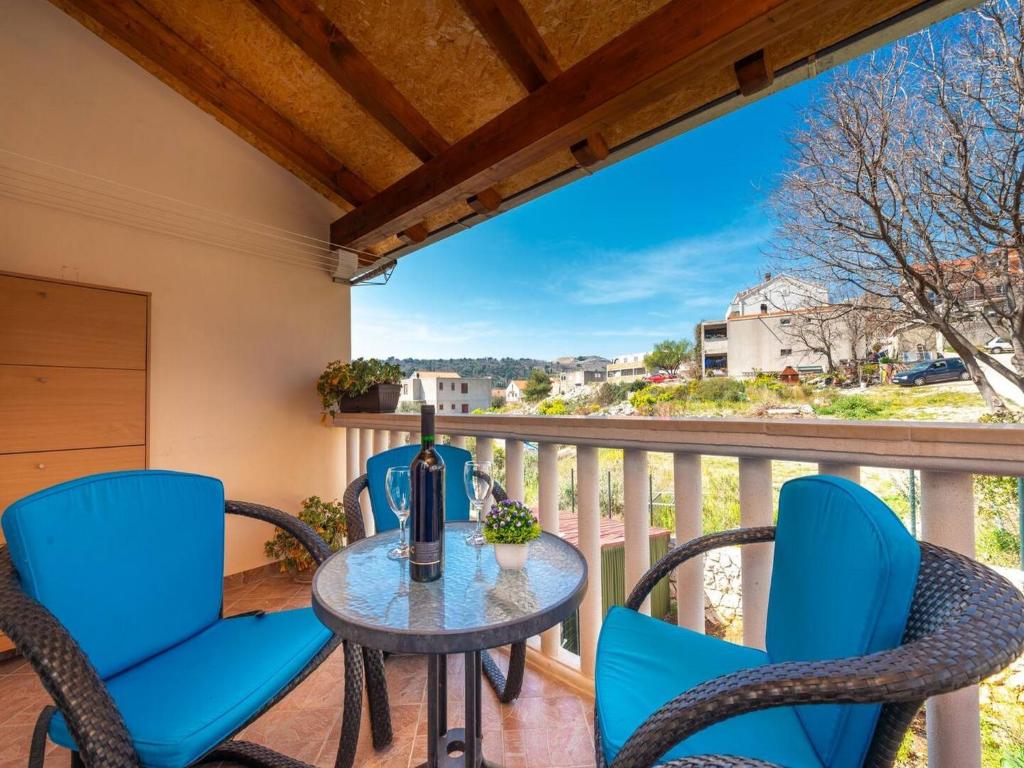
x,y
398,490
479,479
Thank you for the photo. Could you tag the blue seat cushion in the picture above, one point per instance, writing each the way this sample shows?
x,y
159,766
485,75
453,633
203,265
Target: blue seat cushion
x,y
131,563
843,579
180,704
643,663
456,501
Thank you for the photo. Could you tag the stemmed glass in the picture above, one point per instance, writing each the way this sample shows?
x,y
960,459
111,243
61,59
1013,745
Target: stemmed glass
x,y
479,479
398,490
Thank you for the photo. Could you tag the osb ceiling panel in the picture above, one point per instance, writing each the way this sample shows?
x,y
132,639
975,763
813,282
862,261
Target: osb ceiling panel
x,y
431,51
236,37
573,29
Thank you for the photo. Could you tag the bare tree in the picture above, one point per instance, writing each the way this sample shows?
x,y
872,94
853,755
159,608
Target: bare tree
x,y
906,183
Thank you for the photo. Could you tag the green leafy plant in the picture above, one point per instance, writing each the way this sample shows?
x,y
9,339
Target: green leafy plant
x,y
552,408
342,380
853,407
538,386
510,522
327,518
669,355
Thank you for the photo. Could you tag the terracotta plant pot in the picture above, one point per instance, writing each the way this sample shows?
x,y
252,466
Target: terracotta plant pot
x,y
511,557
380,398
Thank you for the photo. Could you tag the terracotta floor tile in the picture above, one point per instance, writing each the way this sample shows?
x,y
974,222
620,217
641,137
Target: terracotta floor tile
x,y
549,727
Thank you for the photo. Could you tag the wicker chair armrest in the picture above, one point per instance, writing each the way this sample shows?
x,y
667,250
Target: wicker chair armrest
x,y
355,528
679,555
66,673
306,536
498,492
944,661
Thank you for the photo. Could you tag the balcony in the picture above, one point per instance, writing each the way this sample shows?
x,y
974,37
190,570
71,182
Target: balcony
x,y
945,455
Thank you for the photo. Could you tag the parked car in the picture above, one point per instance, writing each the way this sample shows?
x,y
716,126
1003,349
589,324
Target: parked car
x,y
998,345
659,377
947,369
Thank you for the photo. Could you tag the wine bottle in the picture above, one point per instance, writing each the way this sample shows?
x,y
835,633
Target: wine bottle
x,y
426,475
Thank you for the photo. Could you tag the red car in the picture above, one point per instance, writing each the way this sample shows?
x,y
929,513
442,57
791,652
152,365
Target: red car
x,y
659,377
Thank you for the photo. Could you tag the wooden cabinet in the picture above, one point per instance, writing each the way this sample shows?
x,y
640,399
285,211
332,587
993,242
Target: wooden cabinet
x,y
73,384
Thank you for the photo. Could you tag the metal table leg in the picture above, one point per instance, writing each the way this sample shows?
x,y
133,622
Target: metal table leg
x,y
455,747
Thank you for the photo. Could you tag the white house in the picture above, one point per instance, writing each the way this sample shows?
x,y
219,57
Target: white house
x,y
448,392
569,381
515,390
778,293
626,368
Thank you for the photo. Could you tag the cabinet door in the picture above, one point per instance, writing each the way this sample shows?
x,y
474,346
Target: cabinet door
x,y
46,323
43,408
25,473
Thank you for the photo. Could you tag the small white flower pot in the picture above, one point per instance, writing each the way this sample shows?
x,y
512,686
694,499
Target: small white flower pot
x,y
511,557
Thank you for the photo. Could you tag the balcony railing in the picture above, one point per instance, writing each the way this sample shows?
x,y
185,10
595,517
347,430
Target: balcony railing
x,y
947,455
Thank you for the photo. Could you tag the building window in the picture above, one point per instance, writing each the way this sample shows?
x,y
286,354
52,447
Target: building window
x,y
465,407
465,389
764,308
440,406
786,352
440,386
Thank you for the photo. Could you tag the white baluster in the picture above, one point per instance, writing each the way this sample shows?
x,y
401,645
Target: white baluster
x,y
458,441
396,438
414,438
953,720
365,452
756,559
550,641
514,469
589,525
636,510
686,470
380,441
351,454
840,469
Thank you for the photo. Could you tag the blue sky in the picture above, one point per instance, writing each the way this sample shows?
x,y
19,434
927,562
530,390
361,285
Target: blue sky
x,y
608,265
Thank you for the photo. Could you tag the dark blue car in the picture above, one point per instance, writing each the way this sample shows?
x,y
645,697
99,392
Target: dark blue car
x,y
949,369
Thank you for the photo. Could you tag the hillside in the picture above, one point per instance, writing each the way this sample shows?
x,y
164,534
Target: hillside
x,y
502,370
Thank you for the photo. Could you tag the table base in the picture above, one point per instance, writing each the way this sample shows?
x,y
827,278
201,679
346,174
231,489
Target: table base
x,y
455,747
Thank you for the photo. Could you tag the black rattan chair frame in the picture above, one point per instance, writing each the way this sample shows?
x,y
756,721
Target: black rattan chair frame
x,y
966,622
92,716
507,685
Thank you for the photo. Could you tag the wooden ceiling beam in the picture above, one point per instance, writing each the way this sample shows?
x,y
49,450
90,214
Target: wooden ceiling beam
x,y
753,73
309,28
135,26
651,60
512,33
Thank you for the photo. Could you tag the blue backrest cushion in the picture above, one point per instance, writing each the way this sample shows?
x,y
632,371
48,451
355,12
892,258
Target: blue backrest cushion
x,y
131,563
456,502
843,579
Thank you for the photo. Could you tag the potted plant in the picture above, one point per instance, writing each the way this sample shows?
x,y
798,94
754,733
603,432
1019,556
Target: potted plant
x,y
362,386
510,526
327,518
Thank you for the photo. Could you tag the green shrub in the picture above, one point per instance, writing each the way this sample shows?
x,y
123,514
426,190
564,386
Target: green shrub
x,y
853,407
610,394
719,390
552,408
327,518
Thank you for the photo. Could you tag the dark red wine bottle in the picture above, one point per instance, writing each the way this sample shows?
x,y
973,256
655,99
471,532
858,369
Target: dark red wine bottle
x,y
426,474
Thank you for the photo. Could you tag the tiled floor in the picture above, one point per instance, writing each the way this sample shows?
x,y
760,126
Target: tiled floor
x,y
550,726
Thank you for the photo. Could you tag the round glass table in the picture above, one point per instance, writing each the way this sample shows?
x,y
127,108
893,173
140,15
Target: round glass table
x,y
370,600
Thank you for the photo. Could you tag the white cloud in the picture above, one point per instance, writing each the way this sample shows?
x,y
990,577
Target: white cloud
x,y
404,333
689,270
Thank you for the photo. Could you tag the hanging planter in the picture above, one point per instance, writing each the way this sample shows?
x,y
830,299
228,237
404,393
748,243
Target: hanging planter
x,y
362,386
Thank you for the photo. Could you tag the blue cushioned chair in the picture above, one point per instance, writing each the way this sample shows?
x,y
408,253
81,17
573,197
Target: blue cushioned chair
x,y
111,586
456,508
864,623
